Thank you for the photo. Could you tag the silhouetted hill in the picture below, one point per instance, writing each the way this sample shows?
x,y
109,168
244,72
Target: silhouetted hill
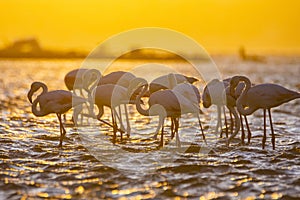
x,y
30,48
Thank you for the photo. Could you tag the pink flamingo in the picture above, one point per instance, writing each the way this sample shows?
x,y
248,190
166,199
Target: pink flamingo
x,y
57,101
75,76
164,103
215,92
74,81
111,91
262,96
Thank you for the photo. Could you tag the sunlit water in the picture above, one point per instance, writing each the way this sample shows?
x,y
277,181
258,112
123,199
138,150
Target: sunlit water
x,y
32,166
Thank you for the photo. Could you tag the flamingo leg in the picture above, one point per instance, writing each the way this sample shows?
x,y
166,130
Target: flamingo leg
x,y
161,144
243,131
160,124
127,121
265,131
176,125
226,126
201,128
271,124
231,122
178,143
114,125
76,112
119,118
62,130
173,127
219,123
248,129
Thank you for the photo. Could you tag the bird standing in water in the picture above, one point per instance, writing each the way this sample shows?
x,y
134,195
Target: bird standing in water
x,y
262,96
57,101
164,103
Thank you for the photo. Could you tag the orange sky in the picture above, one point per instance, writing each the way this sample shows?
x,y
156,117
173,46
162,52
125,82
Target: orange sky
x,y
262,26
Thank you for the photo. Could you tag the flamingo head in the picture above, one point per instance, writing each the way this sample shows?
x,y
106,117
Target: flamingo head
x,y
35,86
206,101
90,78
234,81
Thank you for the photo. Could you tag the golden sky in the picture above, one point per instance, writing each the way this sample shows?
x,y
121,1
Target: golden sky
x,y
262,26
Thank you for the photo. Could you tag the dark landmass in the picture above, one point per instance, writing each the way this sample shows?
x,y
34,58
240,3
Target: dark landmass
x,y
30,48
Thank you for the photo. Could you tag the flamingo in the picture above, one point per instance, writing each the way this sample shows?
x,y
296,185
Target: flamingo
x,y
190,92
262,96
215,92
73,81
163,82
57,101
164,103
233,97
111,95
121,80
75,76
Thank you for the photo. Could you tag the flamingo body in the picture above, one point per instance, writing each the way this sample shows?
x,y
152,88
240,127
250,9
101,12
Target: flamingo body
x,y
163,82
164,103
118,78
262,96
71,77
57,101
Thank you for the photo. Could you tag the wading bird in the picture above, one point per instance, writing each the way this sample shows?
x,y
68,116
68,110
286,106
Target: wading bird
x,y
74,81
215,92
216,88
57,101
164,103
109,95
262,96
190,92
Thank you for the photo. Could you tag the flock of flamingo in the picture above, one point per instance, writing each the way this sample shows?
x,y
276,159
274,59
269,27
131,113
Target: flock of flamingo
x,y
170,96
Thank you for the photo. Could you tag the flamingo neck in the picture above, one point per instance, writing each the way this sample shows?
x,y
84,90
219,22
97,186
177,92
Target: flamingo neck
x,y
88,82
138,101
242,100
38,112
45,89
35,111
237,123
101,111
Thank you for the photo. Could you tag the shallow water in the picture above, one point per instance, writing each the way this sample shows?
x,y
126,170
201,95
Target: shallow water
x,y
33,167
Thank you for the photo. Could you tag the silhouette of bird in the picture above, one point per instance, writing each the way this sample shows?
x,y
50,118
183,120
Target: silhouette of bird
x,y
215,93
190,92
164,103
111,95
121,81
233,97
262,96
75,76
74,81
163,82
57,101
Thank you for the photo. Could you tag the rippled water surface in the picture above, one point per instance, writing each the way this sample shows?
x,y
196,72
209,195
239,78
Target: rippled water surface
x,y
33,167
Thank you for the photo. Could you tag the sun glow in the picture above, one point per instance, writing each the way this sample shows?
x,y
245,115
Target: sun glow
x,y
220,26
